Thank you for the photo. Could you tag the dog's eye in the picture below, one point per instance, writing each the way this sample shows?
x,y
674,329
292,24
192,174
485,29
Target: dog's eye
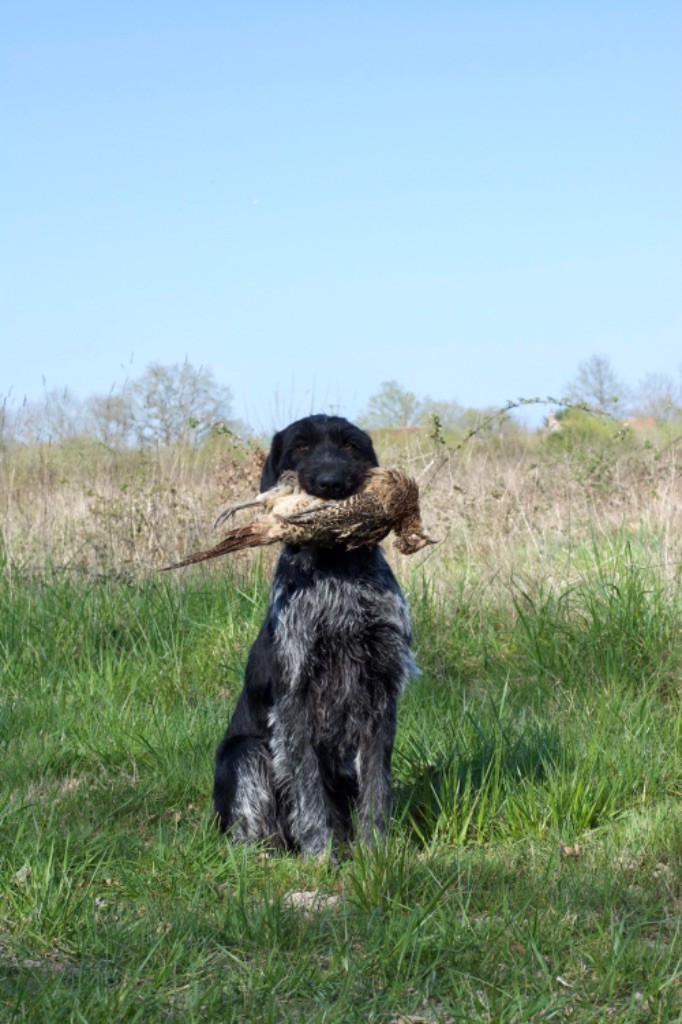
x,y
349,446
302,447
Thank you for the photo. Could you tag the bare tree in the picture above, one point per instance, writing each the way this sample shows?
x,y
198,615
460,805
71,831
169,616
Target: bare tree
x,y
659,397
392,406
112,417
449,413
178,403
598,384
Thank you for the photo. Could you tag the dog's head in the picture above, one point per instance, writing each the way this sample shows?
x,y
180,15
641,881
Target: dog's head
x,y
330,455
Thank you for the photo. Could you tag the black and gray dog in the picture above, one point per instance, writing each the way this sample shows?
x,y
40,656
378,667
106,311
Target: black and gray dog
x,y
307,753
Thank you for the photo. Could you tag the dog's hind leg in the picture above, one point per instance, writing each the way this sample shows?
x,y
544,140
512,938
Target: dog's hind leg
x,y
244,794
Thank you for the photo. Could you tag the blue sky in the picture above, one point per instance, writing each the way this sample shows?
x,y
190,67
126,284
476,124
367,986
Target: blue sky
x,y
313,198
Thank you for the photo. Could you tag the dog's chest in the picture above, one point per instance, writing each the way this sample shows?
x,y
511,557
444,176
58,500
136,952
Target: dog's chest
x,y
340,643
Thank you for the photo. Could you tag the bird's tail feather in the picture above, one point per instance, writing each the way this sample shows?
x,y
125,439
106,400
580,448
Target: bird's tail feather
x,y
245,537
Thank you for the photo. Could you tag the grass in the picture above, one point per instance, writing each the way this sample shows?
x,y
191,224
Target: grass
x,y
534,867
497,503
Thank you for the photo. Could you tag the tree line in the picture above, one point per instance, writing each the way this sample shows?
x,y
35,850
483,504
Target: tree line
x,y
596,384
166,405
183,404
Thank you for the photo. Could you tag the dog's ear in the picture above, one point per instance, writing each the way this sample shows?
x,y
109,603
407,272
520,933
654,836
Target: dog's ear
x,y
363,442
271,466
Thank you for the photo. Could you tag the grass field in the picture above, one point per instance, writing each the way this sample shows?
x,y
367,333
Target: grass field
x,y
534,868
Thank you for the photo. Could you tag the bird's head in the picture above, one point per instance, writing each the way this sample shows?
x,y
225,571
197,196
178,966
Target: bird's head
x,y
409,541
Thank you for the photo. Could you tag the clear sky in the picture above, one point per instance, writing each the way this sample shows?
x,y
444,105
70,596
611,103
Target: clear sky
x,y
312,198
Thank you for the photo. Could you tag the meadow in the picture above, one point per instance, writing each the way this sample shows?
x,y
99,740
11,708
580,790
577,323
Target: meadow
x,y
534,867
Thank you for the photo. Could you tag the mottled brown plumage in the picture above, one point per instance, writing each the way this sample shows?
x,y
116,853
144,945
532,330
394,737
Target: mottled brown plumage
x,y
388,500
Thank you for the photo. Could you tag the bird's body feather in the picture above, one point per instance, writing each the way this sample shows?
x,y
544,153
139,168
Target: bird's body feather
x,y
389,499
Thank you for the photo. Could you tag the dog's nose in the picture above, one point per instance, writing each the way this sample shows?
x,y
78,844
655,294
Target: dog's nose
x,y
329,485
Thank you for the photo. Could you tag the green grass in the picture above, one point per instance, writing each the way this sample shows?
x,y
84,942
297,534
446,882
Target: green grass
x,y
534,867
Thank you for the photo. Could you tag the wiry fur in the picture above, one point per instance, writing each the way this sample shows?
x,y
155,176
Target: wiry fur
x,y
308,750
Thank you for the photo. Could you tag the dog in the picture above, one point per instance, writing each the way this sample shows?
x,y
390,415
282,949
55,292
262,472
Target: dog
x,y
305,763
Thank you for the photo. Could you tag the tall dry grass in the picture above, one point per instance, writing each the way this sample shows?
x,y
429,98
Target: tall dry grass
x,y
510,503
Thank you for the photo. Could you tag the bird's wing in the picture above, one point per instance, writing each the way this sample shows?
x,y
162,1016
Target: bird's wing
x,y
360,515
290,505
304,515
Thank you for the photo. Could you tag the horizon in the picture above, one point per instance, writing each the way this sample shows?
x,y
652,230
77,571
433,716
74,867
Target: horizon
x,y
469,201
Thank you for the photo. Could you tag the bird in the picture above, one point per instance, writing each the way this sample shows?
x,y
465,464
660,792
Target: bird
x,y
388,500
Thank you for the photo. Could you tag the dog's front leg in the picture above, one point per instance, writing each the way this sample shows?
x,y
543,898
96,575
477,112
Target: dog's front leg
x,y
297,776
